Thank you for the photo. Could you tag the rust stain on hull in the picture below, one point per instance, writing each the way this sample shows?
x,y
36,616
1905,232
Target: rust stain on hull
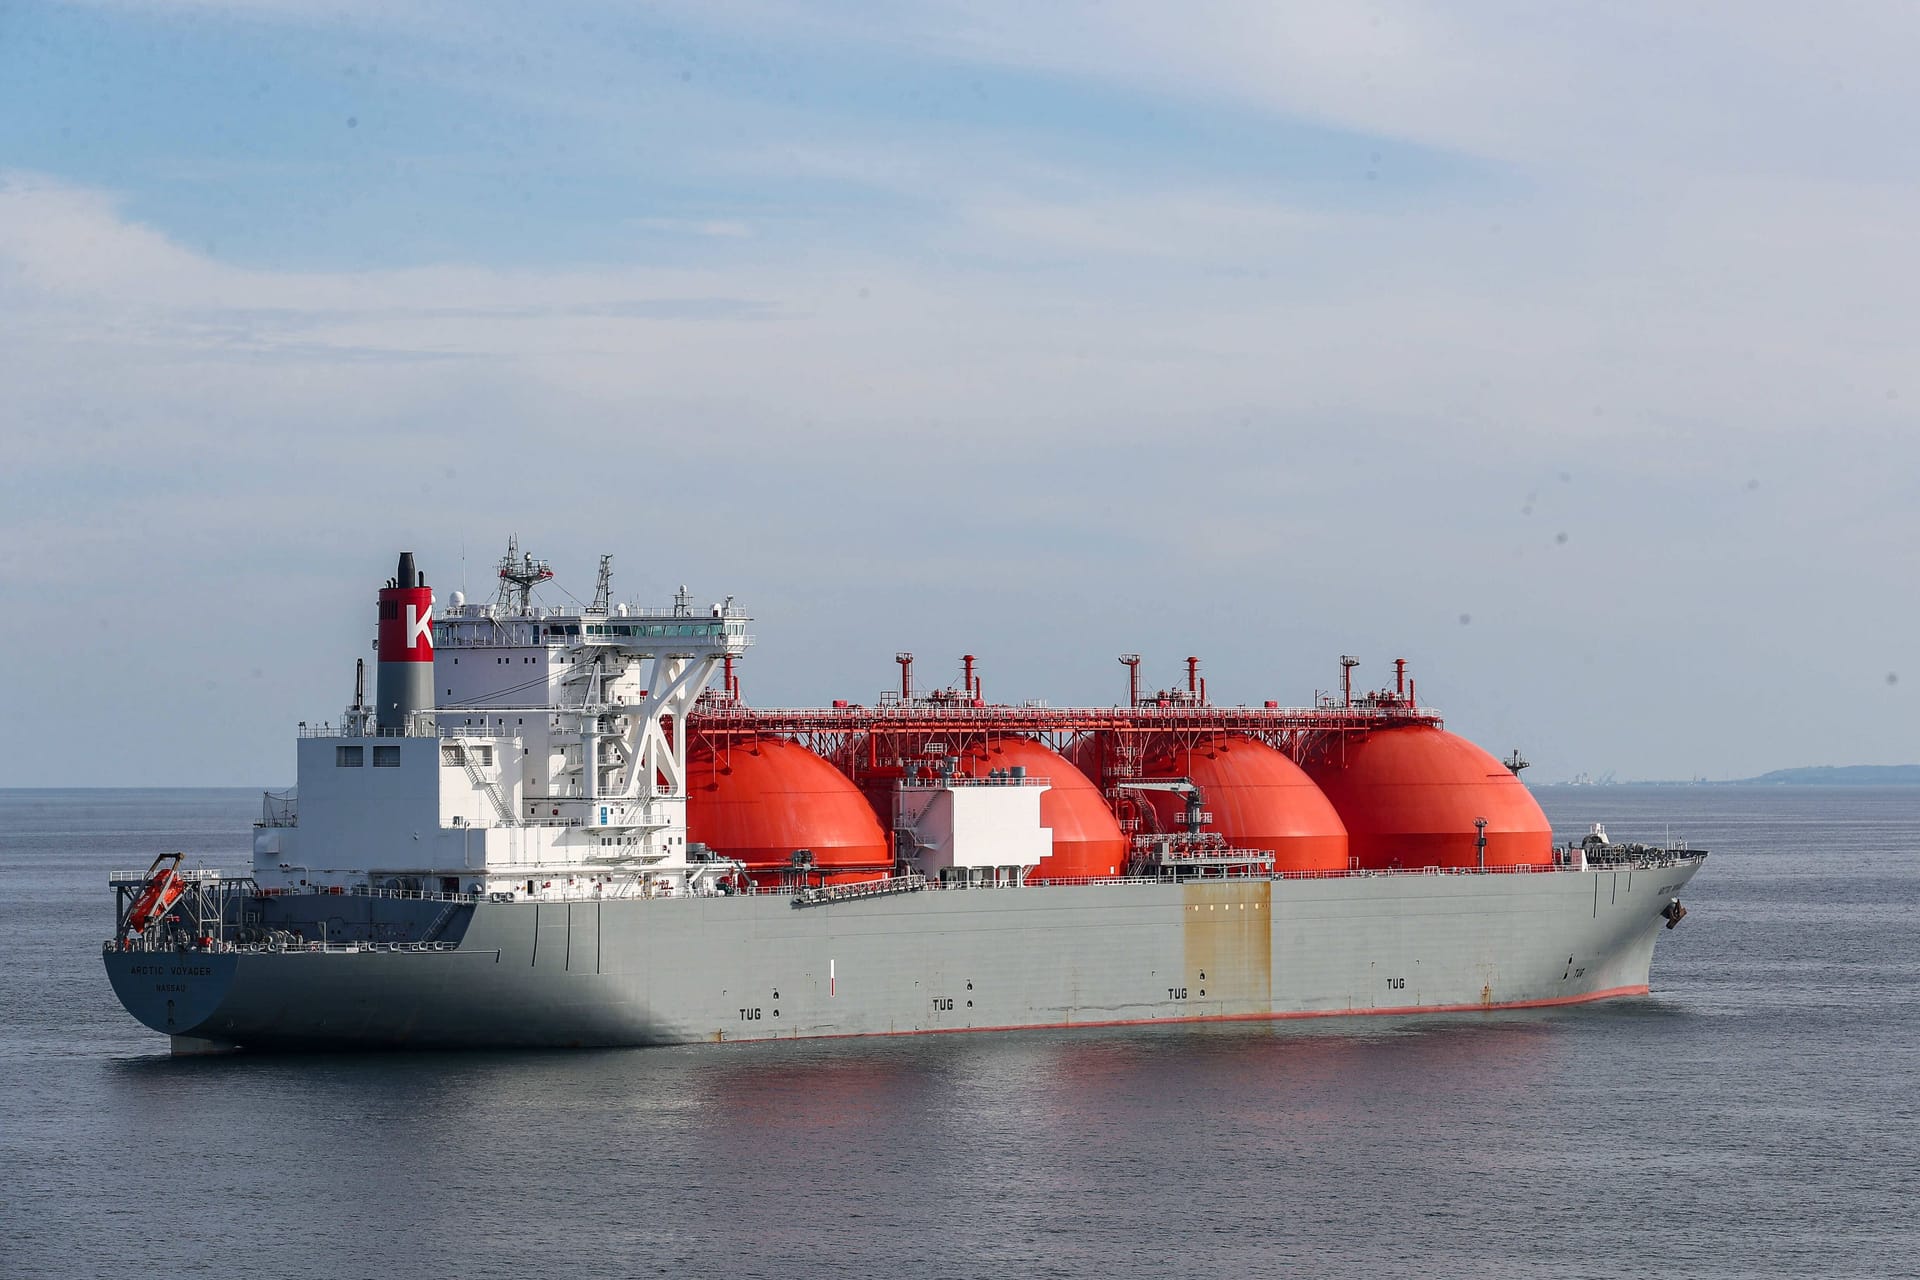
x,y
1227,930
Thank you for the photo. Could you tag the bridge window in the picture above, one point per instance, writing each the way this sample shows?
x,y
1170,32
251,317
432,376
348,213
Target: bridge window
x,y
348,757
386,757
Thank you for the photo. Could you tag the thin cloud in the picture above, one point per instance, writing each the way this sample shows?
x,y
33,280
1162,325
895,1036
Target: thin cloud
x,y
709,228
1185,394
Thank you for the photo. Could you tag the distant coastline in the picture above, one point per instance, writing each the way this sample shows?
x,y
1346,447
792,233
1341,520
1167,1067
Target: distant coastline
x,y
1819,775
1846,775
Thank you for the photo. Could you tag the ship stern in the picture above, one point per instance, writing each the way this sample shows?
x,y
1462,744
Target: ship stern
x,y
173,992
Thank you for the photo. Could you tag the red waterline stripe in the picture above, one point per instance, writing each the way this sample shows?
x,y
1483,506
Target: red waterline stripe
x,y
1611,993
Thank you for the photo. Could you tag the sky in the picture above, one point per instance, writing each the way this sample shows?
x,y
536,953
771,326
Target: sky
x,y
1567,351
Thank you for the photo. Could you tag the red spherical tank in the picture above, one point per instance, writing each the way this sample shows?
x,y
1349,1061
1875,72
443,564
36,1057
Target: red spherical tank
x,y
1410,795
760,799
1258,799
1086,837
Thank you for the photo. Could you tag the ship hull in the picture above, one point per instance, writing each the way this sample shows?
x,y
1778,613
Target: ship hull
x,y
682,970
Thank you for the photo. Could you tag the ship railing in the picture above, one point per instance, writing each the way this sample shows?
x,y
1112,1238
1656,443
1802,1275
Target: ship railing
x,y
589,891
289,947
937,782
474,612
490,731
502,823
339,948
640,819
412,895
192,875
928,708
423,728
1357,873
649,631
1637,856
1674,858
1047,882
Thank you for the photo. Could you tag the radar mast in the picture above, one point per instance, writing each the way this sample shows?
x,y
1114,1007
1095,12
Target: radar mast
x,y
519,574
603,588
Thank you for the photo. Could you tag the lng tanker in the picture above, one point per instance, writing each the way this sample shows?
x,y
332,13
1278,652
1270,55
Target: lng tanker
x,y
562,826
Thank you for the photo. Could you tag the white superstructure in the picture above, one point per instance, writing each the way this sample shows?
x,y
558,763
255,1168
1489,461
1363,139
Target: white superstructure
x,y
552,763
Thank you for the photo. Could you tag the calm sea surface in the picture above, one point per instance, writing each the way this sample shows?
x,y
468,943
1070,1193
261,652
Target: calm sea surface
x,y
1754,1117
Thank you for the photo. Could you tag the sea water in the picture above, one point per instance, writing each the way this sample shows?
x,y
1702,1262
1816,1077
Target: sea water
x,y
1753,1117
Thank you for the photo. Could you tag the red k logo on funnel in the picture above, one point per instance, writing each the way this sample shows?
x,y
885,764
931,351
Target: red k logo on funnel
x,y
406,624
419,628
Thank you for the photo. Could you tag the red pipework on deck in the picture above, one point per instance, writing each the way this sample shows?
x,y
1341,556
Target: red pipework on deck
x,y
1193,675
967,683
821,727
877,745
1399,677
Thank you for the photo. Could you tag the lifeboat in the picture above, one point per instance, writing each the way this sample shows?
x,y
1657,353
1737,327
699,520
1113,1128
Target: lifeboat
x,y
164,886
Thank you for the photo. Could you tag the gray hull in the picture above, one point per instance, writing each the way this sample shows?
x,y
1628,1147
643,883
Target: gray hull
x,y
672,971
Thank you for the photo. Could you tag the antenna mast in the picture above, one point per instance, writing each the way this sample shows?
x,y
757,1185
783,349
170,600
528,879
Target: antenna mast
x,y
519,574
603,587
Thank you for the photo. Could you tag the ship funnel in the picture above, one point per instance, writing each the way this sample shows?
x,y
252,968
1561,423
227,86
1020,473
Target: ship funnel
x,y
404,684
